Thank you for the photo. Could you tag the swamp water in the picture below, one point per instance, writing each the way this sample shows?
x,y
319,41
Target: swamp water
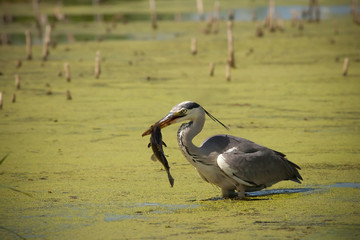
x,y
89,171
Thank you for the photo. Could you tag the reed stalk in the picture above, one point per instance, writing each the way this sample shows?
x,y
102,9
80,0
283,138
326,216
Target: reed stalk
x,y
193,46
67,72
345,67
28,44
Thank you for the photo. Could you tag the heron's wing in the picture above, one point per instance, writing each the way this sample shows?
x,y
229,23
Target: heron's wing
x,y
259,167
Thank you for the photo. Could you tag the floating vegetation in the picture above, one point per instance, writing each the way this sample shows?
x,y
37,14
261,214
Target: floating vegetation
x,y
12,188
84,163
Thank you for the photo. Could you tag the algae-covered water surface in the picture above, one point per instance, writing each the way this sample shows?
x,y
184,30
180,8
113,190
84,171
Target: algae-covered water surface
x,y
79,168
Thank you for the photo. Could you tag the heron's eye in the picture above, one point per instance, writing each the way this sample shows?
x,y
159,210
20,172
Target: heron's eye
x,y
183,111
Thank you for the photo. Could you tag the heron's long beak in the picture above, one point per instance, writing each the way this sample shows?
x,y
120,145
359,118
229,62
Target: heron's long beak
x,y
165,121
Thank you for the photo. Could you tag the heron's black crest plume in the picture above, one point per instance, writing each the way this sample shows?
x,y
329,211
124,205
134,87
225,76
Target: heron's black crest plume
x,y
215,119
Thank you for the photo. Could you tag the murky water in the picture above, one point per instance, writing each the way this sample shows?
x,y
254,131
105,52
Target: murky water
x,y
247,14
240,14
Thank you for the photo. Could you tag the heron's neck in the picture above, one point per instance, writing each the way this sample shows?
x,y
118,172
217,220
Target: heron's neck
x,y
186,134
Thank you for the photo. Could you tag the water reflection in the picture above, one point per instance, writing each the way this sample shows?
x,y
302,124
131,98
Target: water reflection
x,y
246,14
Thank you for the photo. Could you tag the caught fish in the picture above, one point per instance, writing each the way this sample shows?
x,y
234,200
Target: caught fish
x,y
156,146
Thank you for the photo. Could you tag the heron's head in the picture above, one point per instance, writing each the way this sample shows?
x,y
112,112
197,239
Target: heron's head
x,y
182,112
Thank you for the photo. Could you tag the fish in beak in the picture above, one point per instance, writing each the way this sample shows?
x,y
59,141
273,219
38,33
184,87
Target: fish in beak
x,y
169,119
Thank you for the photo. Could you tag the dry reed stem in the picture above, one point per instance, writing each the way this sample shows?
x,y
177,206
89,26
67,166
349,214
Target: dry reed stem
x,y
18,63
200,8
208,24
46,43
67,72
68,95
216,19
1,101
269,21
17,81
259,31
28,44
153,14
212,68
231,57
345,67
294,18
97,64
228,72
193,46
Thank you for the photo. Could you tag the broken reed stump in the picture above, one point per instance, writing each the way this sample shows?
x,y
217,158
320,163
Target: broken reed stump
x,y
231,57
67,72
212,68
259,31
46,43
17,81
345,67
193,46
153,14
97,69
18,63
28,44
68,95
13,98
228,71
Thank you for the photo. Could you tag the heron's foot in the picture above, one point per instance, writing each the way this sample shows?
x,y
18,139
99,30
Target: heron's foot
x,y
239,194
236,197
231,194
226,194
240,191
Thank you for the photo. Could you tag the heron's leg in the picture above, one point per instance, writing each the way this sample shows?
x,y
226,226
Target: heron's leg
x,y
241,191
228,193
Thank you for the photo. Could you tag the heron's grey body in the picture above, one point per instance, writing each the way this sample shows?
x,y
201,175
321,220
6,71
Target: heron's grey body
x,y
230,162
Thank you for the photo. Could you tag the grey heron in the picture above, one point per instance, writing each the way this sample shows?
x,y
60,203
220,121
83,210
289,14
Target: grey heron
x,y
229,162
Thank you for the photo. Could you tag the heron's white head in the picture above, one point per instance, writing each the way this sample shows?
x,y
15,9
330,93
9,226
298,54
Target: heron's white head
x,y
184,111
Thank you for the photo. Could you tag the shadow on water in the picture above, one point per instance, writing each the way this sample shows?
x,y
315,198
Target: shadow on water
x,y
252,196
278,191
